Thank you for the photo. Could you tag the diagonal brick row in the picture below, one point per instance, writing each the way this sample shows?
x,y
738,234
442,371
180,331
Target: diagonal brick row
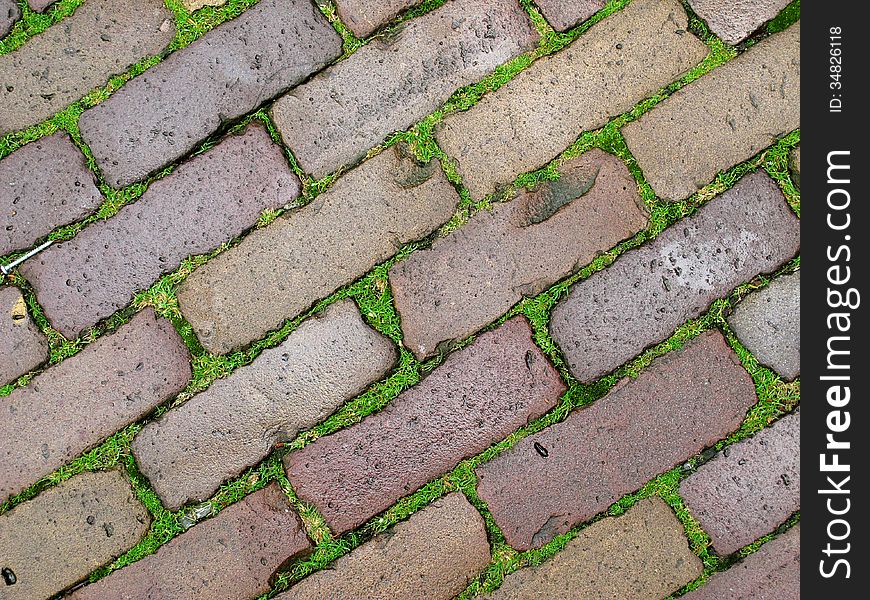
x,y
23,347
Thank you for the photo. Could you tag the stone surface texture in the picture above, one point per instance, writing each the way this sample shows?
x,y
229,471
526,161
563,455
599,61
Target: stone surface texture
x,y
565,14
363,17
795,165
23,347
734,20
40,5
193,5
9,13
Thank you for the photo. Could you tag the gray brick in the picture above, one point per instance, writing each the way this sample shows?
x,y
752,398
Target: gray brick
x,y
56,539
621,60
232,555
565,14
74,405
642,555
434,555
9,13
573,470
23,347
732,20
768,323
43,185
747,230
97,272
748,489
279,271
757,102
170,109
235,423
62,64
478,396
389,85
519,249
363,17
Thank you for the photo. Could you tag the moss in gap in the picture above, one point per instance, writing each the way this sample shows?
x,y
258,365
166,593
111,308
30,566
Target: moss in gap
x,y
787,17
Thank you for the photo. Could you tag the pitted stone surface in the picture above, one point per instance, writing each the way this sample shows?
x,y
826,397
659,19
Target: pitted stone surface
x,y
43,185
56,539
277,272
721,119
768,323
96,273
642,555
600,453
750,488
388,85
479,271
60,65
23,347
170,109
648,292
363,17
528,121
9,13
231,555
72,406
478,396
734,20
795,165
565,14
235,423
434,555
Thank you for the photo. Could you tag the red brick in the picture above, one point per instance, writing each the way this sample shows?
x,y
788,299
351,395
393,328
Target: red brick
x,y
23,347
363,18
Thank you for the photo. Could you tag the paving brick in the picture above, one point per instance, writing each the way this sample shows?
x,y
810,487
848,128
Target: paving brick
x,y
236,421
43,185
363,18
193,5
772,572
434,555
277,272
53,541
795,165
529,120
757,102
477,273
388,85
747,230
768,323
478,396
170,109
23,347
613,447
642,555
72,406
62,64
9,13
748,489
97,272
231,555
40,5
732,20
565,14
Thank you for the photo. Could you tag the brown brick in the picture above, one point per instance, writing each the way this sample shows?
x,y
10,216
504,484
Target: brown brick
x,y
53,541
9,14
231,555
621,60
23,347
734,21
478,396
518,249
747,230
565,14
235,423
573,470
363,17
72,406
281,270
642,555
757,102
434,555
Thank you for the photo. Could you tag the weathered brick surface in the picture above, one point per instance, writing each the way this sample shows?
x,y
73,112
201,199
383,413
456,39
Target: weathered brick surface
x,y
62,64
43,185
642,555
795,165
97,272
640,299
22,345
168,110
279,271
520,248
750,488
53,541
9,13
768,323
363,18
732,20
724,117
231,555
434,555
600,453
40,5
478,396
193,5
565,14
389,85
772,572
528,121
235,422
74,405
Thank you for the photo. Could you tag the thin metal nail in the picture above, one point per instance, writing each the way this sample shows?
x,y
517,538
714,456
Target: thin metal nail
x,y
6,269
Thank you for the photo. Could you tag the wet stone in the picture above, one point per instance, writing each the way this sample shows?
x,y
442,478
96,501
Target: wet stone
x,y
363,17
23,347
565,14
734,20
